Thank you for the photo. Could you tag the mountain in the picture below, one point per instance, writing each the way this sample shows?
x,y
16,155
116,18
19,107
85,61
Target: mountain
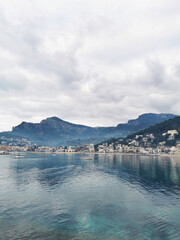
x,y
142,122
52,131
55,131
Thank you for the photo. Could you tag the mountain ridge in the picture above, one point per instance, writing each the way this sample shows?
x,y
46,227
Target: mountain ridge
x,y
54,131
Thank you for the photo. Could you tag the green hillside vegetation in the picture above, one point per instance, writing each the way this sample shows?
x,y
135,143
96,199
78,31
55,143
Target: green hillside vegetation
x,y
158,131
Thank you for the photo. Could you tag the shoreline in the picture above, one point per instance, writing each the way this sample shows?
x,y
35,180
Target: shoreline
x,y
105,154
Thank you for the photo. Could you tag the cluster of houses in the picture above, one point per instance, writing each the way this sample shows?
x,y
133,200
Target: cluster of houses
x,y
142,144
13,145
5,149
89,148
14,141
122,148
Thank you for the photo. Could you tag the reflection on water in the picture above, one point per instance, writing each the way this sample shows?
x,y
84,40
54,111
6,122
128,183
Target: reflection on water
x,y
111,197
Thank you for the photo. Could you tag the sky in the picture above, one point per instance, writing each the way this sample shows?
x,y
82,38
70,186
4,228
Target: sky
x,y
97,63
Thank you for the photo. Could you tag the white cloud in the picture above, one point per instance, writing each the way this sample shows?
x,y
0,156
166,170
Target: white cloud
x,y
90,62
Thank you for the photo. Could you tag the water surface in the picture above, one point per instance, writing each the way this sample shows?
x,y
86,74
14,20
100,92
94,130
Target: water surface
x,y
109,197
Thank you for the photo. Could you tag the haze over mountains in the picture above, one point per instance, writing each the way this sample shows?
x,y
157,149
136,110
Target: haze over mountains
x,y
54,131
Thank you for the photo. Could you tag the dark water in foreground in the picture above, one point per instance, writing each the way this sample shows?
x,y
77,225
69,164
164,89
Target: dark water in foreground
x,y
107,198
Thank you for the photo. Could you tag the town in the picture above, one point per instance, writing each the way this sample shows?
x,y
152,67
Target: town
x,y
137,145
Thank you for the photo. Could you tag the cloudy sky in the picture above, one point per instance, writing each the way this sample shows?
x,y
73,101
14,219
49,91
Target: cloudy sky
x,y
93,62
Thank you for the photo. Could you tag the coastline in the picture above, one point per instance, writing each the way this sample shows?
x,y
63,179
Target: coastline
x,y
103,154
106,154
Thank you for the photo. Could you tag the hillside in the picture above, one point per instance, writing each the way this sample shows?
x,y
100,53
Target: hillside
x,y
165,133
55,131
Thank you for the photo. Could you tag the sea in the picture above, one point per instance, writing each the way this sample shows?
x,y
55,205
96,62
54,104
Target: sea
x,y
89,197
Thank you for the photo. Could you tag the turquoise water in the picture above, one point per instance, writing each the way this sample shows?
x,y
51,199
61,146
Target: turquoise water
x,y
109,197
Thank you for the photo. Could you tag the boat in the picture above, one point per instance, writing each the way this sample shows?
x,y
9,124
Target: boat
x,y
18,155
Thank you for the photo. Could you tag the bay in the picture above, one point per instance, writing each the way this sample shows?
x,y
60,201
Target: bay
x,y
109,197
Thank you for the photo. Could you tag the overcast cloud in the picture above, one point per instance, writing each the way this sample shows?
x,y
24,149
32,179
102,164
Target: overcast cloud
x,y
97,63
